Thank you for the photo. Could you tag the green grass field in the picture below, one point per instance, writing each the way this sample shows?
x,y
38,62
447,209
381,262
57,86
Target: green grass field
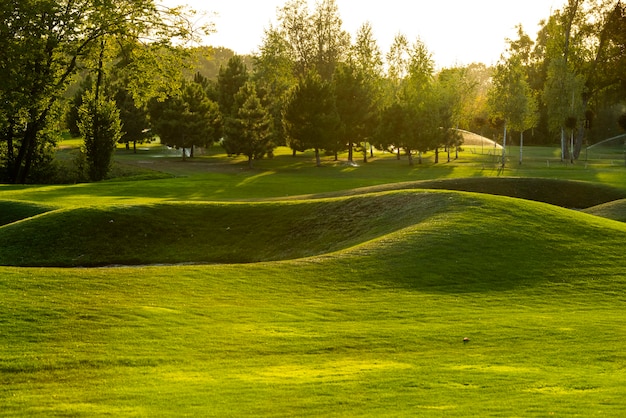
x,y
208,289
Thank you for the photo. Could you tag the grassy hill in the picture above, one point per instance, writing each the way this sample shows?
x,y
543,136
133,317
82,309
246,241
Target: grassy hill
x,y
335,303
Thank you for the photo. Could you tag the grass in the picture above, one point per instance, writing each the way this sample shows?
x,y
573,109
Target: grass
x,y
356,304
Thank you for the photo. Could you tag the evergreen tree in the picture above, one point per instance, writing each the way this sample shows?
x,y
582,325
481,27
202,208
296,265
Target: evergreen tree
x,y
230,79
311,118
249,131
187,120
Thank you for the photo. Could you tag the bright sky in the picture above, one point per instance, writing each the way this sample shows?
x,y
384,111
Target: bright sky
x,y
455,31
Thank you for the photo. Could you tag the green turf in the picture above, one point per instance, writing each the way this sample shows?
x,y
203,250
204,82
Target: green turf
x,y
370,323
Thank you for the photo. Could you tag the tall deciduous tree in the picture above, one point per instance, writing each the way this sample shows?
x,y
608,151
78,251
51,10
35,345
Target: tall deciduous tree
x,y
332,42
584,57
315,40
274,77
510,98
44,43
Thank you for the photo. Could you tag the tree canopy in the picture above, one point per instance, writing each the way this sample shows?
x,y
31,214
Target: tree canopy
x,y
309,86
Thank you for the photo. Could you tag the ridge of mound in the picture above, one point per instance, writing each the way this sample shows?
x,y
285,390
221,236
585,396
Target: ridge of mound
x,y
438,234
564,193
210,232
615,210
15,210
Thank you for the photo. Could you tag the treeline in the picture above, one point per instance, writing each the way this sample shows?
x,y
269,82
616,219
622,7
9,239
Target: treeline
x,y
310,86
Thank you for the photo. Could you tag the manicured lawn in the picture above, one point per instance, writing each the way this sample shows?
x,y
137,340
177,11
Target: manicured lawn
x,y
355,305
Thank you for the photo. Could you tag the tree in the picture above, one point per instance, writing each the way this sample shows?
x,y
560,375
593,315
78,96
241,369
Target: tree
x,y
583,52
622,121
187,120
331,41
366,64
444,109
355,108
229,81
45,43
422,100
393,129
274,76
311,119
135,123
407,120
249,132
100,125
563,97
510,98
316,41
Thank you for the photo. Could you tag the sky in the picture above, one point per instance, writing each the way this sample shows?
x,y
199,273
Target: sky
x,y
456,32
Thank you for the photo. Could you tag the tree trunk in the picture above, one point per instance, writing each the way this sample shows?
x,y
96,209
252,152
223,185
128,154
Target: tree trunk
x,y
318,161
25,153
562,144
436,155
250,162
571,153
10,151
504,147
350,156
398,155
365,152
521,147
419,157
410,155
134,147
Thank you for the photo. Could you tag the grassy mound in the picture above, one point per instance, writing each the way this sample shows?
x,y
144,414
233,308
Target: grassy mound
x,y
374,329
273,231
210,232
615,210
564,193
14,210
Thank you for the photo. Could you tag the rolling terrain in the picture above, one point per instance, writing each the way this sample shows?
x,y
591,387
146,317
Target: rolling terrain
x,y
354,301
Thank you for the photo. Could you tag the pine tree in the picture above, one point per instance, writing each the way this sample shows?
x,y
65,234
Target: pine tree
x,y
249,131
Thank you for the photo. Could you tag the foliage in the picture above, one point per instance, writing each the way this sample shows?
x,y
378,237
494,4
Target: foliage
x,y
248,131
315,41
187,120
511,98
311,118
45,43
356,108
274,76
134,119
100,125
229,81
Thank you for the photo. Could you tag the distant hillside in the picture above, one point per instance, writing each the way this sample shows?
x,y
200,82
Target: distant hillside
x,y
208,60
